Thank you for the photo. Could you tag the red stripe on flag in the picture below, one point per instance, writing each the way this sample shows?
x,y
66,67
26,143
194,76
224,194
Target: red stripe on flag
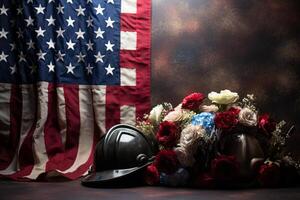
x,y
53,141
8,145
26,155
71,94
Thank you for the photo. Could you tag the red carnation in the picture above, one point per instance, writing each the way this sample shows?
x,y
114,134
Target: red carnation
x,y
269,175
225,168
193,101
167,134
266,124
227,120
166,161
234,110
151,175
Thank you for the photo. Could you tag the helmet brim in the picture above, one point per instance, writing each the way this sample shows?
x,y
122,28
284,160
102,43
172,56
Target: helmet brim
x,y
114,177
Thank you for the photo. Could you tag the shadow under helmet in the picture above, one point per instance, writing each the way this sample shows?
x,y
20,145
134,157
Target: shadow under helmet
x,y
121,157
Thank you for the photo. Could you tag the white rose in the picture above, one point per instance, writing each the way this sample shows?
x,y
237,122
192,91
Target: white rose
x,y
210,108
185,158
188,144
224,97
248,117
174,116
156,114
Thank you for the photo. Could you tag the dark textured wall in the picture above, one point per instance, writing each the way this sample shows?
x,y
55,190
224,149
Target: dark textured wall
x,y
246,46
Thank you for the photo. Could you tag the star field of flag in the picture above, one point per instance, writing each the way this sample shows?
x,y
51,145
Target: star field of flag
x,y
60,41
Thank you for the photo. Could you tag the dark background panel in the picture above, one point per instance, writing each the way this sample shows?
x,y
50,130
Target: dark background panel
x,y
246,46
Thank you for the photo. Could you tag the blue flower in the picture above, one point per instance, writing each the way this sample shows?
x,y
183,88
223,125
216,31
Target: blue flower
x,y
204,119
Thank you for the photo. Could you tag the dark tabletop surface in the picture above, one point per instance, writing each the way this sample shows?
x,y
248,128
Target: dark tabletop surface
x,y
73,190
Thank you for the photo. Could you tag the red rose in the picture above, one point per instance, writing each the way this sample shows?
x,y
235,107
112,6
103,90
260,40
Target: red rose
x,y
269,175
266,124
193,101
227,120
234,110
225,168
167,134
204,180
151,175
166,161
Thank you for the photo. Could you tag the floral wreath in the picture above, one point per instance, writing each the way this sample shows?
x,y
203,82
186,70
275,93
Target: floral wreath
x,y
225,144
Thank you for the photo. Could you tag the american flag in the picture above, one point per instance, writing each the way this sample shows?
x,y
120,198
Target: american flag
x,y
69,70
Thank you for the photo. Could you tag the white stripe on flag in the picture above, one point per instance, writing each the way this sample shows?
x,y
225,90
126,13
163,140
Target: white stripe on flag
x,y
128,6
28,114
128,40
39,148
99,100
62,121
128,76
5,94
128,115
86,136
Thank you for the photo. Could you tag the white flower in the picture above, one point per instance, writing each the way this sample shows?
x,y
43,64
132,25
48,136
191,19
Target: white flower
x,y
224,97
185,158
174,116
156,114
248,117
188,144
210,108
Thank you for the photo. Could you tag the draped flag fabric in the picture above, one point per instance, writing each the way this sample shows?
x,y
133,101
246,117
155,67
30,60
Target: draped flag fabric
x,y
69,70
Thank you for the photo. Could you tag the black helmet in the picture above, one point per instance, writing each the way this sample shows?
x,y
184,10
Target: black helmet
x,y
120,157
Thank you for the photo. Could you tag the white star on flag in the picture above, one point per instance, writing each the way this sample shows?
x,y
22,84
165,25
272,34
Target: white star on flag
x,y
60,9
29,21
41,55
110,1
89,21
109,70
109,23
60,32
51,44
3,33
40,9
3,56
99,33
60,56
99,57
79,34
22,57
89,69
70,68
51,21
51,67
99,10
71,44
3,10
109,46
30,44
12,46
90,45
40,32
19,11
80,57
13,69
70,21
80,11
20,33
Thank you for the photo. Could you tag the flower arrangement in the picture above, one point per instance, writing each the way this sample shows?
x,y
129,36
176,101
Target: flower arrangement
x,y
227,143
